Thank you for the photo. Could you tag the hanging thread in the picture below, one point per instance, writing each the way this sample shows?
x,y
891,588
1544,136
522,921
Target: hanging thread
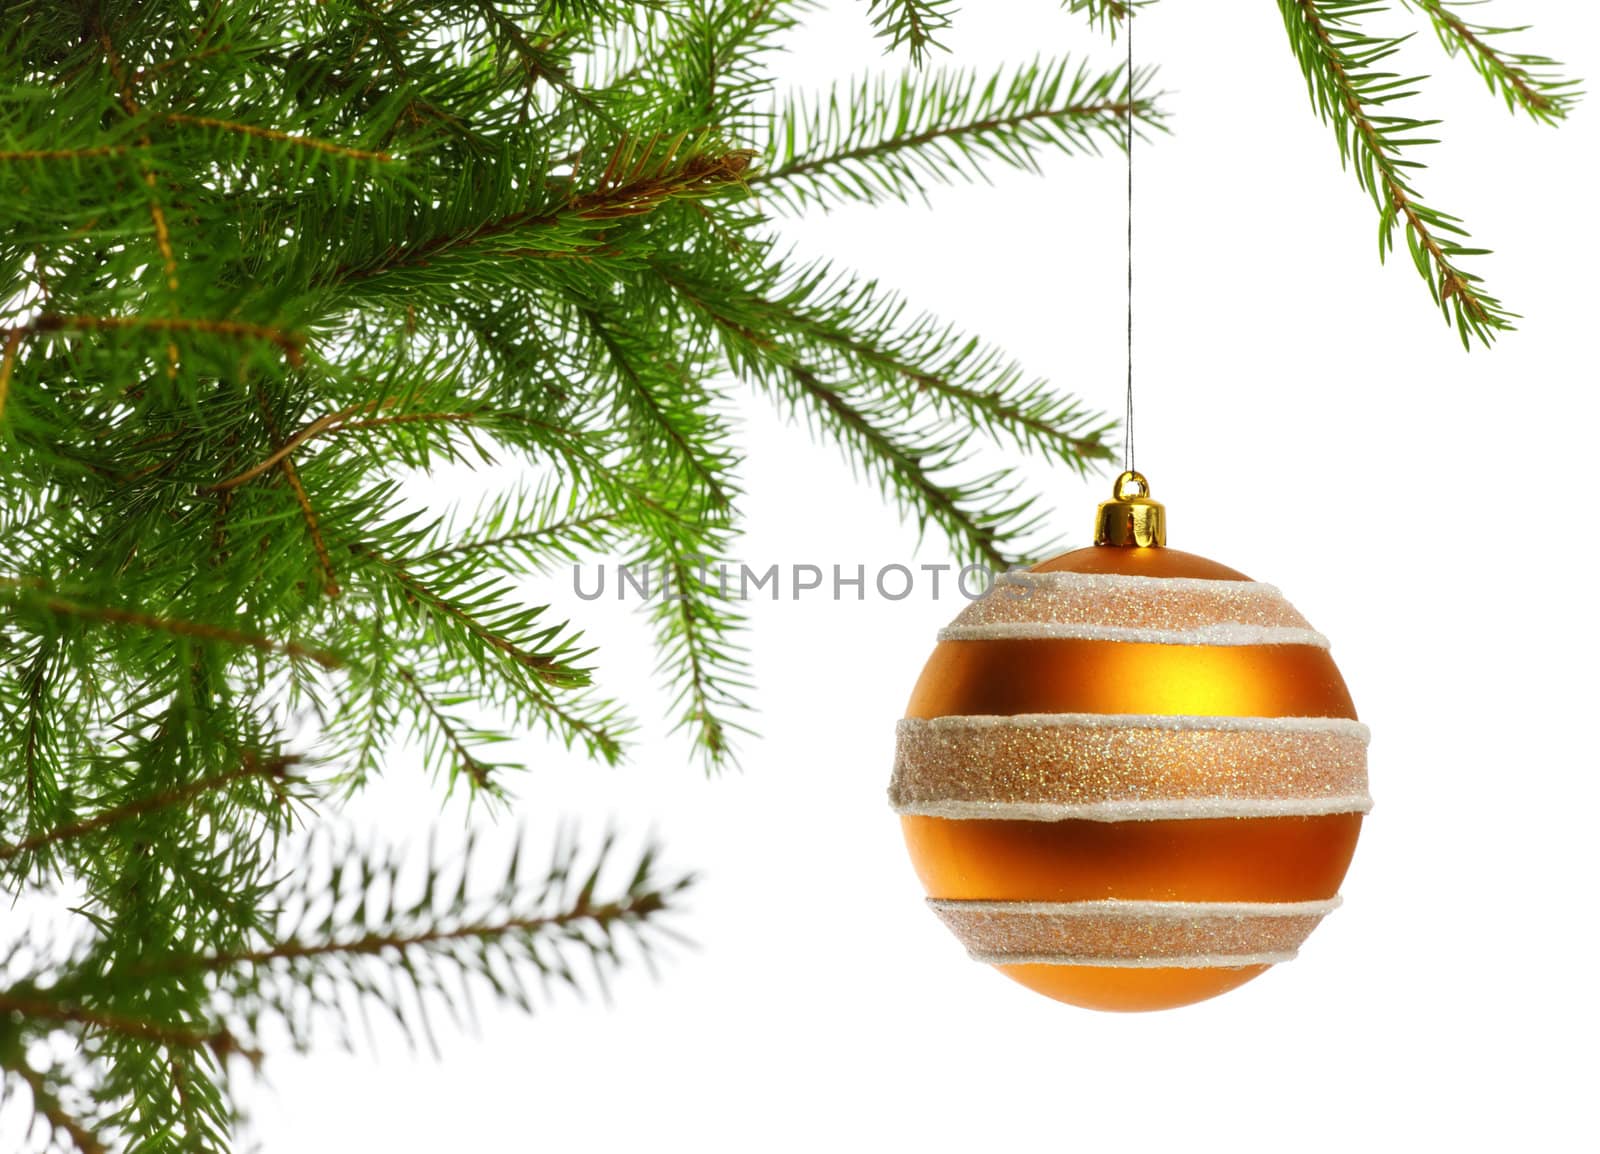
x,y
1127,443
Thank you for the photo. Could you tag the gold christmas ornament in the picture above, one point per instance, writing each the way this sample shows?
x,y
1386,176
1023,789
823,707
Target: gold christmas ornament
x,y
1131,778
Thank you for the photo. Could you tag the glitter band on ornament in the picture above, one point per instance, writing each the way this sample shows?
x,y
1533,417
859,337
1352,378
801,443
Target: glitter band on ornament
x,y
1125,767
1184,935
1110,607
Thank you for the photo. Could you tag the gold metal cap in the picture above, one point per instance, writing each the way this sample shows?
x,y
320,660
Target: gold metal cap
x,y
1131,517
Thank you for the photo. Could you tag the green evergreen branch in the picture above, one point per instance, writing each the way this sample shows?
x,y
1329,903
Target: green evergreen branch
x,y
1352,96
274,769
558,535
1107,15
40,1009
1523,80
965,515
678,429
26,597
465,763
48,1105
696,643
954,376
640,177
913,23
498,631
881,139
336,930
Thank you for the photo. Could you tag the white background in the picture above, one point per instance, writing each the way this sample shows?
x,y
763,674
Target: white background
x,y
1308,419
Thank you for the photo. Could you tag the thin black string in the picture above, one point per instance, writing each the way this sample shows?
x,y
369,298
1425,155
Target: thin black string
x,y
1127,442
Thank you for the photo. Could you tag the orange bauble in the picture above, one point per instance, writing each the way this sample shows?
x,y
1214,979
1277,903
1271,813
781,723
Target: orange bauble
x,y
1131,778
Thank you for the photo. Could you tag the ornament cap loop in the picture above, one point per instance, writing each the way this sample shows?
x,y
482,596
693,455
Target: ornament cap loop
x,y
1131,517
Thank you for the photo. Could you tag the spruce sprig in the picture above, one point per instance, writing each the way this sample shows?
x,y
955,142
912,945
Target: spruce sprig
x,y
263,268
916,24
879,139
1524,80
1349,91
1354,95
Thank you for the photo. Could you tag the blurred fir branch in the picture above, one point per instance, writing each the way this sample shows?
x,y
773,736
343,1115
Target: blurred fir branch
x,y
1348,91
264,262
915,24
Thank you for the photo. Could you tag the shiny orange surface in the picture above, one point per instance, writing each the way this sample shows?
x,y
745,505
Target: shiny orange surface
x,y
1277,859
1115,988
1138,563
1231,859
1073,676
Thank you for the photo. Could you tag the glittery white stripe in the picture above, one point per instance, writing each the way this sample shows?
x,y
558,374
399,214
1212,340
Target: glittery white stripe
x,y
1191,962
1222,634
1114,607
1128,767
1133,934
1132,908
1181,722
1190,809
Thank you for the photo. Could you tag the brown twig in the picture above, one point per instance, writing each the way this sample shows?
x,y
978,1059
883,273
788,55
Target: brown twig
x,y
66,153
344,419
219,1040
251,766
49,324
8,358
378,941
285,463
49,1107
273,134
475,770
621,192
205,631
158,217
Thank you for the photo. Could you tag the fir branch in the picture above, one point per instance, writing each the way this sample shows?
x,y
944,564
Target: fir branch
x,y
158,215
639,178
954,375
24,595
877,139
1522,79
96,152
913,23
1352,96
696,644
348,918
551,666
274,769
350,419
290,344
48,1105
42,1009
909,471
589,530
285,465
466,763
272,134
1107,15
8,360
